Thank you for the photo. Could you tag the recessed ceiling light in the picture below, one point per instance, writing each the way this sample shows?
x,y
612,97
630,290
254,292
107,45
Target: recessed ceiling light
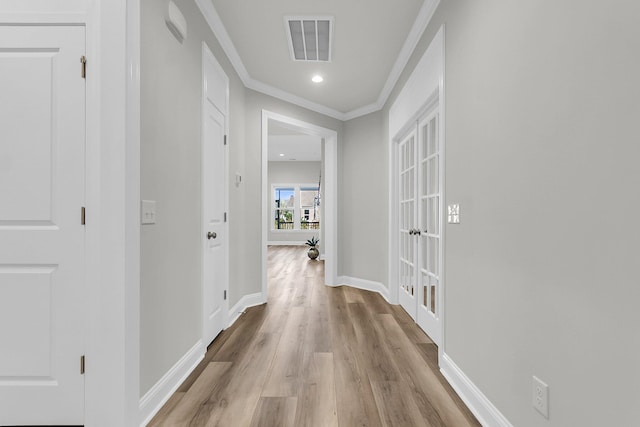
x,y
281,155
317,78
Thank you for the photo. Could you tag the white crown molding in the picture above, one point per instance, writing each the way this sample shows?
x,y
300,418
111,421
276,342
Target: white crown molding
x,y
294,99
215,23
422,20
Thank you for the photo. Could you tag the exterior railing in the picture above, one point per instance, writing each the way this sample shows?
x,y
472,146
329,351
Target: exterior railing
x,y
288,225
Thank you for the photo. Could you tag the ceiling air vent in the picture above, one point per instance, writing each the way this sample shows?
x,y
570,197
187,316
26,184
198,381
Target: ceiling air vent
x,y
310,37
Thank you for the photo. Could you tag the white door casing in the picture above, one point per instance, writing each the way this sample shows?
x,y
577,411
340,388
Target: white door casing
x,y
329,193
42,239
214,197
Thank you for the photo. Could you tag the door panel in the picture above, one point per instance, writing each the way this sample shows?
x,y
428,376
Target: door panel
x,y
408,268
215,233
214,184
428,316
42,145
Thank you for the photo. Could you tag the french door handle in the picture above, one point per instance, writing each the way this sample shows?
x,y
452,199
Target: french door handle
x,y
212,235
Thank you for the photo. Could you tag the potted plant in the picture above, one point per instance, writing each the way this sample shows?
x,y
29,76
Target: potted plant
x,y
313,251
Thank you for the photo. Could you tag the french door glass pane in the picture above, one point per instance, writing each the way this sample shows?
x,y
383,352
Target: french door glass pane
x,y
433,135
424,144
430,214
432,256
432,168
434,286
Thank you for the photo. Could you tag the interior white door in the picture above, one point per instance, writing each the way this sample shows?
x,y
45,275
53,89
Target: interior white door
x,y
430,227
408,268
214,187
420,225
42,146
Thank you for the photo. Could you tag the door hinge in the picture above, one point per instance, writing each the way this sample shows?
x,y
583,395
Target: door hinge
x,y
225,294
82,364
225,217
83,213
83,71
225,140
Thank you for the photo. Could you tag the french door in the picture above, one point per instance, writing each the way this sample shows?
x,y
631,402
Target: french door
x,y
420,228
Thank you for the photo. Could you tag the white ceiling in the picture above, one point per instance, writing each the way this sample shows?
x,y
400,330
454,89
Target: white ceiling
x,y
372,42
301,148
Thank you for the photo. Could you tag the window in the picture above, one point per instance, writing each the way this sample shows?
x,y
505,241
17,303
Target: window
x,y
284,208
296,207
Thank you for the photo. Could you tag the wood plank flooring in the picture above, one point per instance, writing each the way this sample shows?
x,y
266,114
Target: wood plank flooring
x,y
319,357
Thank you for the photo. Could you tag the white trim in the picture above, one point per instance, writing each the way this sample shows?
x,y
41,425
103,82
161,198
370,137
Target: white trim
x,y
422,90
132,208
422,20
443,193
486,413
215,23
245,302
293,99
157,396
367,285
330,192
420,24
44,18
285,243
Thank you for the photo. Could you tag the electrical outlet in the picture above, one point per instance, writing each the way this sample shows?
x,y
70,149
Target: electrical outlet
x,y
541,396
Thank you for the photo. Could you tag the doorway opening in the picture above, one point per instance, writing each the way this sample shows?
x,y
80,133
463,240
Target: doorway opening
x,y
289,210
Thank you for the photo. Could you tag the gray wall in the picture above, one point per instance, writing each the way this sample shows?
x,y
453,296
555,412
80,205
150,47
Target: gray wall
x,y
170,299
542,105
290,173
364,200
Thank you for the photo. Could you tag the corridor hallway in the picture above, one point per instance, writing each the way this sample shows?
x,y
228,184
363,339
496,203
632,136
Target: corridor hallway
x,y
317,356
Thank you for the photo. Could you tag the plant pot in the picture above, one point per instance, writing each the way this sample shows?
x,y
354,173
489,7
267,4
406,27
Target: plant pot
x,y
313,252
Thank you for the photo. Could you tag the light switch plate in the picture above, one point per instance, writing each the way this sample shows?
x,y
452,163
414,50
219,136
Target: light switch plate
x,y
453,214
148,211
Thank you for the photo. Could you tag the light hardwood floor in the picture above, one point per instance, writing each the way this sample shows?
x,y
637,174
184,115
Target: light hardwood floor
x,y
317,356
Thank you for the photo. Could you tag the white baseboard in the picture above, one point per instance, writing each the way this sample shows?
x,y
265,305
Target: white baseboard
x,y
244,303
367,285
158,395
486,413
287,243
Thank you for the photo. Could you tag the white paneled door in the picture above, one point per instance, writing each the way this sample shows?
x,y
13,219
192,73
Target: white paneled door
x,y
420,230
42,248
214,152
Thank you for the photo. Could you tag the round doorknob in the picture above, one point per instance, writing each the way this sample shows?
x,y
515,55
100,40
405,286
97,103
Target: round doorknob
x,y
211,235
